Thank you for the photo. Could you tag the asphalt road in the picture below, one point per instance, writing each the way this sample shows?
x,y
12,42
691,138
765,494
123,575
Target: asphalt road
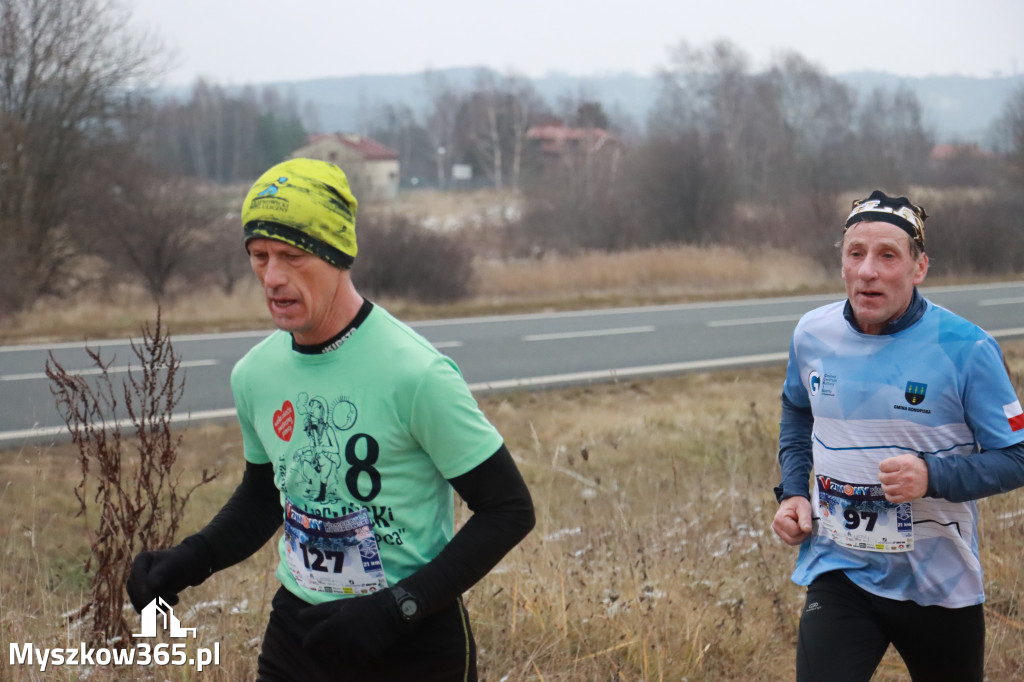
x,y
500,353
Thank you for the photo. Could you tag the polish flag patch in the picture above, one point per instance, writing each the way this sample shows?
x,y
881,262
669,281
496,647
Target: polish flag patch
x,y
1015,415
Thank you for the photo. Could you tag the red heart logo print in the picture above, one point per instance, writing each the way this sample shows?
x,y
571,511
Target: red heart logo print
x,y
284,421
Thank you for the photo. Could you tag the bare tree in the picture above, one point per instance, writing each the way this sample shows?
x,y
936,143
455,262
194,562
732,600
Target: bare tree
x,y
791,139
66,70
130,493
1009,133
486,104
221,137
892,139
441,122
155,226
683,187
492,125
701,88
222,259
396,126
524,107
815,152
713,93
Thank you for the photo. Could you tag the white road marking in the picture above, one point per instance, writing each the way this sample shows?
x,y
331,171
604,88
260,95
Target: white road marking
x,y
101,343
1001,301
43,431
95,371
754,320
590,333
625,372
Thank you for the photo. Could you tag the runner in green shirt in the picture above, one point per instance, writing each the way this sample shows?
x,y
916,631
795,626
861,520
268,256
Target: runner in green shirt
x,y
356,433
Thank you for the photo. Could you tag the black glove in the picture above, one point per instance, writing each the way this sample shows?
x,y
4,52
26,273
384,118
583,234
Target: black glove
x,y
166,572
355,626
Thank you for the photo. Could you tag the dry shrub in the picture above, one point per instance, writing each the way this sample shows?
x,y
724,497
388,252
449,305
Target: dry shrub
x,y
653,558
131,497
1002,556
398,257
42,579
665,275
968,236
120,311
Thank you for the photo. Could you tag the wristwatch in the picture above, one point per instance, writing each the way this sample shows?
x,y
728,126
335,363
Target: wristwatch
x,y
407,605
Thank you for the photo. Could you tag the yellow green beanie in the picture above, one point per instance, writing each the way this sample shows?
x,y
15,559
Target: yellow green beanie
x,y
307,204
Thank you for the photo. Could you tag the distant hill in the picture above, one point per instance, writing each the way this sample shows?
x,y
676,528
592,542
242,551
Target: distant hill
x,y
957,108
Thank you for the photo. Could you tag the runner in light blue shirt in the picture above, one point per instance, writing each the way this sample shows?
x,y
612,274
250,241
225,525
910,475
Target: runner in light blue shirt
x,y
905,414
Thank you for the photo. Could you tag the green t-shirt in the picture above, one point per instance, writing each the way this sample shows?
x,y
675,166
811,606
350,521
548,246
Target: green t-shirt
x,y
378,424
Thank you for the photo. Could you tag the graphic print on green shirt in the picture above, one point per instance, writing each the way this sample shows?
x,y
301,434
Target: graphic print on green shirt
x,y
379,424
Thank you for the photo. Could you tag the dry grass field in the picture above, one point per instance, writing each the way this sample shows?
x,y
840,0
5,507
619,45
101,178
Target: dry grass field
x,y
652,559
648,276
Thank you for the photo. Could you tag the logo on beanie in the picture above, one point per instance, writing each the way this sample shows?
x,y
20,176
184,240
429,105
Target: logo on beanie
x,y
270,203
305,203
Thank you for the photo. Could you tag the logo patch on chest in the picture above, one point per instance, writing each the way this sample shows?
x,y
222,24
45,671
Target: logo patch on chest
x,y
284,421
915,392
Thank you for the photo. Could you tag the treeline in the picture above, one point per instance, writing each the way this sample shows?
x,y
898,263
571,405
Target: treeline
x,y
219,137
725,148
102,182
728,155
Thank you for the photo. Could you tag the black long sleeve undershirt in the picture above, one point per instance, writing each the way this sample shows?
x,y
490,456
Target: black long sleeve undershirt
x,y
494,491
249,518
503,515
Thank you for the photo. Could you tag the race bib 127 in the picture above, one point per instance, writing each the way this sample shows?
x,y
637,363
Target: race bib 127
x,y
333,555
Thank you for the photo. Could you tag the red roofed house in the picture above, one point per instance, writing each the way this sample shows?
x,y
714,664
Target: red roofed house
x,y
372,168
560,145
949,152
583,155
558,139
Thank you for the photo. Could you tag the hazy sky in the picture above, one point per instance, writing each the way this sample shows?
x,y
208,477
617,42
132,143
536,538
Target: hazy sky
x,y
257,41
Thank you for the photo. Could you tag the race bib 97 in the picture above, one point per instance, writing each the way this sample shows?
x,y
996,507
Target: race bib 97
x,y
857,515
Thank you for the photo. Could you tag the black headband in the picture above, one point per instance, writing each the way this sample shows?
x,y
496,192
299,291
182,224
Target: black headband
x,y
897,211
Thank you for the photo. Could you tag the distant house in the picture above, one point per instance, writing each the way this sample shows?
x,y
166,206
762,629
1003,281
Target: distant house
x,y
952,152
961,164
557,139
372,168
560,145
